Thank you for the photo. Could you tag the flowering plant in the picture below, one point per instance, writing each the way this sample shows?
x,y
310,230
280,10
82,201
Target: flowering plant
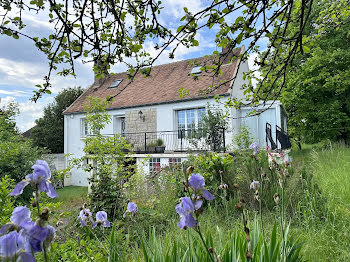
x,y
22,238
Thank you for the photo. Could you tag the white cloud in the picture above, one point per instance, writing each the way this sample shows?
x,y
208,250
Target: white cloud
x,y
29,111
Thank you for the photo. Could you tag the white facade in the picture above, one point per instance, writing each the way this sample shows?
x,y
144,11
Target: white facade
x,y
167,120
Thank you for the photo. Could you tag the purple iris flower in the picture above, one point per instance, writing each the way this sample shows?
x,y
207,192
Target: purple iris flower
x,y
38,179
254,185
12,246
197,183
255,147
34,236
20,215
84,214
185,209
132,208
101,218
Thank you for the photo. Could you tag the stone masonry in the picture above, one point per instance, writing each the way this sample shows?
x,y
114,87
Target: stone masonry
x,y
134,124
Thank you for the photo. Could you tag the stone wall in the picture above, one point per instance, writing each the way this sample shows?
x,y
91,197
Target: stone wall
x,y
135,124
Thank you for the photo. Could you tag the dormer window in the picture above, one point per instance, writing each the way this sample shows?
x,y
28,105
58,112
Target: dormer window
x,y
116,83
196,70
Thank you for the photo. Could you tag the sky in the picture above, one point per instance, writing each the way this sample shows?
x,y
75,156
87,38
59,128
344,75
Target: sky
x,y
22,65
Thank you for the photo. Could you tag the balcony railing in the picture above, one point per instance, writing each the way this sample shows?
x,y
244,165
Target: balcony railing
x,y
177,141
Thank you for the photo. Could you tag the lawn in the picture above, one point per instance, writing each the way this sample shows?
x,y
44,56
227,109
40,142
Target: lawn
x,y
71,197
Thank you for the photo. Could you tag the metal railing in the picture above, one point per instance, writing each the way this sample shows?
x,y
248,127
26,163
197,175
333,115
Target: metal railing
x,y
176,141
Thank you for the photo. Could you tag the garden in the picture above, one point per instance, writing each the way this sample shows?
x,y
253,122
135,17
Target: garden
x,y
246,205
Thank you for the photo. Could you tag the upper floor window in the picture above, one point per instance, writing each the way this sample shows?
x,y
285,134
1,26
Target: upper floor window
x,y
116,83
189,119
85,130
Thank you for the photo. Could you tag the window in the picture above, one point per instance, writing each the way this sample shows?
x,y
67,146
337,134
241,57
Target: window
x,y
174,161
196,70
188,120
116,83
85,129
119,125
154,166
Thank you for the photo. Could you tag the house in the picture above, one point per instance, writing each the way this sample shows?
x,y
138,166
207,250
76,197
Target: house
x,y
150,108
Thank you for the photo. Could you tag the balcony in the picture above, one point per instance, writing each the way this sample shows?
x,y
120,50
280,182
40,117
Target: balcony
x,y
192,140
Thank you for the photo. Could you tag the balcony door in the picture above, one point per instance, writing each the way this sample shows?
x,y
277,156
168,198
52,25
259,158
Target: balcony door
x,y
188,126
119,125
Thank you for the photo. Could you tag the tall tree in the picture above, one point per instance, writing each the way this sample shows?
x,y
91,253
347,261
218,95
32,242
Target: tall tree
x,y
317,83
49,129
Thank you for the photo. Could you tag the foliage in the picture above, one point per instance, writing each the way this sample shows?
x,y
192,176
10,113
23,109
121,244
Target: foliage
x,y
49,131
6,203
17,155
155,196
317,82
243,138
75,250
211,128
108,163
233,248
99,38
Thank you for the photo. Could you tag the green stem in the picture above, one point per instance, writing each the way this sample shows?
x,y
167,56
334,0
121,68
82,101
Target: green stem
x,y
206,247
282,225
260,209
37,196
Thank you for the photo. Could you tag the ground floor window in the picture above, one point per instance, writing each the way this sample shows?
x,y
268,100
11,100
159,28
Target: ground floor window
x,y
154,166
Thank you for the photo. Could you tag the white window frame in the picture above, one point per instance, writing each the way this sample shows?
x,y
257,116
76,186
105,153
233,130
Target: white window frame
x,y
196,117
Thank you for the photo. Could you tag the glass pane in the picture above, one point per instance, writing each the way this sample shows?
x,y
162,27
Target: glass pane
x,y
191,121
201,113
181,124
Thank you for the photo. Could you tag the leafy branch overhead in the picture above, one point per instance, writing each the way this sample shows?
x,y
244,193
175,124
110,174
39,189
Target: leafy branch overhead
x,y
109,32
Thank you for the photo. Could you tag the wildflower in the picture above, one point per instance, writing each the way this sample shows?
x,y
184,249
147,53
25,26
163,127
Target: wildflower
x,y
132,208
12,246
185,209
197,183
19,215
254,185
255,147
39,180
84,214
33,235
101,219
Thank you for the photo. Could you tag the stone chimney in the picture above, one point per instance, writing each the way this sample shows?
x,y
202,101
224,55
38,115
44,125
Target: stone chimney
x,y
101,68
227,55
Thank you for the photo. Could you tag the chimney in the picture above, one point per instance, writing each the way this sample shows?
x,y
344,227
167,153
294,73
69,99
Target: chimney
x,y
228,55
99,68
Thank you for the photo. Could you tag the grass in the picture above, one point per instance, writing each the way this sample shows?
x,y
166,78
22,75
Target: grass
x,y
330,239
71,197
325,239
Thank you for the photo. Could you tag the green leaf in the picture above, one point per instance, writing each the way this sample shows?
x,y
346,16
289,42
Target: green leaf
x,y
195,43
306,49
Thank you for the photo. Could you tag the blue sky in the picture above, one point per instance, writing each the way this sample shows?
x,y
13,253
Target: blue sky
x,y
22,66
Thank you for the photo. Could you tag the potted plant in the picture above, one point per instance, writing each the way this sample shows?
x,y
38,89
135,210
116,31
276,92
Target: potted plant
x,y
160,147
151,146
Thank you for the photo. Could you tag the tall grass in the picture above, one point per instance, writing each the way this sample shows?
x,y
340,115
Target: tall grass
x,y
330,241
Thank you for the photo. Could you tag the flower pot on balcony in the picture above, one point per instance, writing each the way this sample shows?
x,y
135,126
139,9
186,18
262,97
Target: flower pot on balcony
x,y
160,149
151,149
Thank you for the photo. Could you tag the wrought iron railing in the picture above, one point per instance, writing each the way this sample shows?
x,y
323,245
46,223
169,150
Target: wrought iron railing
x,y
176,141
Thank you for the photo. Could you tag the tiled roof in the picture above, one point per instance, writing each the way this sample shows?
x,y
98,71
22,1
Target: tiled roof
x,y
161,86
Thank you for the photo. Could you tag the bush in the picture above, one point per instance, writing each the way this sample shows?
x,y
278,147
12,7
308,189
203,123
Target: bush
x,y
6,203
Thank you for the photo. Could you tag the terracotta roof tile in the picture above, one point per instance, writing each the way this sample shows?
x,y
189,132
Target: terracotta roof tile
x,y
160,87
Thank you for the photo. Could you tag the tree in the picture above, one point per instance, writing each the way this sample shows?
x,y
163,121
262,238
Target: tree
x,y
317,85
49,129
108,32
17,155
